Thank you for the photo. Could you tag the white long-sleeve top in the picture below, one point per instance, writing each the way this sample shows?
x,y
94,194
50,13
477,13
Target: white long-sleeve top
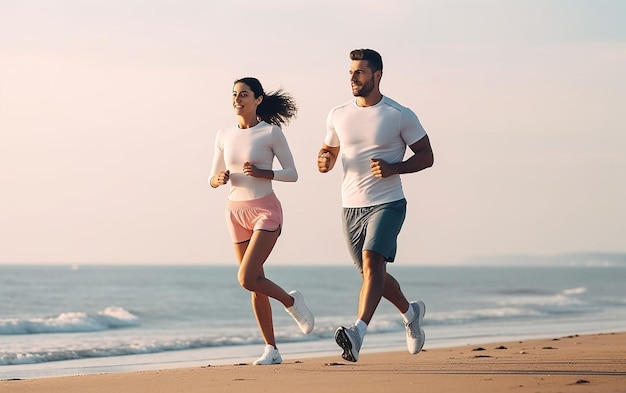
x,y
258,145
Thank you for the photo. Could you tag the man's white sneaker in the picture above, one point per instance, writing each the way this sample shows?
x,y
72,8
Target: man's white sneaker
x,y
270,356
300,313
350,341
415,336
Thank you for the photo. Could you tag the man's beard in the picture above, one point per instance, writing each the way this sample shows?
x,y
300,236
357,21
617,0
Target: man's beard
x,y
365,90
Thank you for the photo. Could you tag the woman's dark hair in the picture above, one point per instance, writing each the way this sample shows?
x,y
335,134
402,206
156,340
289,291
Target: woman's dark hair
x,y
374,59
277,107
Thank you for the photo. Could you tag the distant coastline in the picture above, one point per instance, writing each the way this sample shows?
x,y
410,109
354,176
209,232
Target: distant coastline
x,y
582,259
575,259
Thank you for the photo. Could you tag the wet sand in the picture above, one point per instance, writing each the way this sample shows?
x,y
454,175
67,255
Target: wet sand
x,y
586,363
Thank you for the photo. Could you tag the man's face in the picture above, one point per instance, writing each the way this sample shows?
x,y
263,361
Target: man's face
x,y
362,79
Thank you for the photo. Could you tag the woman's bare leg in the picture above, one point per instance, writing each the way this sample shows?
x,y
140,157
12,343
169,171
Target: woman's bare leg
x,y
252,255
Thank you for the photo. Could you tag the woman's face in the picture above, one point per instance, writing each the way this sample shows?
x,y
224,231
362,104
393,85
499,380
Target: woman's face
x,y
244,102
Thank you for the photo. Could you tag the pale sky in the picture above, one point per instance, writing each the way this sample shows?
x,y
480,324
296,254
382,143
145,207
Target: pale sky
x,y
109,110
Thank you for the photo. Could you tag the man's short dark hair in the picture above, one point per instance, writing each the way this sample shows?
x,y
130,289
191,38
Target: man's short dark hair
x,y
374,60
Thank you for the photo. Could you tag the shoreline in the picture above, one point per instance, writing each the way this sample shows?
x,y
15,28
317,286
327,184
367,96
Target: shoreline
x,y
224,356
581,363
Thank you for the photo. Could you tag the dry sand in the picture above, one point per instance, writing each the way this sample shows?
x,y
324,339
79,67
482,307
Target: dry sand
x,y
587,363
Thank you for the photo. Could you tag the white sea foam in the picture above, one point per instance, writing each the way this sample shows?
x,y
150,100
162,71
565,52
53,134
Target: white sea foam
x,y
482,314
70,322
575,291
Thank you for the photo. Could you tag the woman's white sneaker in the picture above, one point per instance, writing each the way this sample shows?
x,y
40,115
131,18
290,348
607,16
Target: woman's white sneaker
x,y
300,313
270,356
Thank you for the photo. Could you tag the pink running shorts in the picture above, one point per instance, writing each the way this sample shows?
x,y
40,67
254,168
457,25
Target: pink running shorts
x,y
245,217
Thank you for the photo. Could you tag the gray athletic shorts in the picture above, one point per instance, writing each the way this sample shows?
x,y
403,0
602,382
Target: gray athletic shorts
x,y
373,228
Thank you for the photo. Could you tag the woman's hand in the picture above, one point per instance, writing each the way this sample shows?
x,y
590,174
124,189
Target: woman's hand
x,y
251,170
221,178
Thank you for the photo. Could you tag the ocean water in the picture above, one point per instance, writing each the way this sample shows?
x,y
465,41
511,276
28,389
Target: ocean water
x,y
63,320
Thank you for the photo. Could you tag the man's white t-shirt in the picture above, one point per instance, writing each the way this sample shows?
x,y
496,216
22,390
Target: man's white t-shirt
x,y
382,131
258,145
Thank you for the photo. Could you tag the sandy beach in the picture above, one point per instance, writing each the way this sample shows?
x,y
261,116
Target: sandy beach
x,y
585,363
